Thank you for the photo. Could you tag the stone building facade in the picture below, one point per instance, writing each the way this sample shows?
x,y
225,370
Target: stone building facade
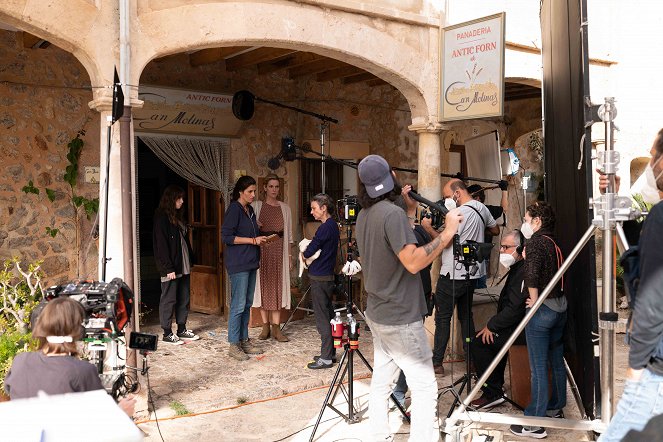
x,y
57,66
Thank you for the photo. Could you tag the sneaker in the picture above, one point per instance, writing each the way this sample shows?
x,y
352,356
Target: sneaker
x,y
188,335
438,368
172,339
557,414
318,364
316,357
486,401
535,432
250,349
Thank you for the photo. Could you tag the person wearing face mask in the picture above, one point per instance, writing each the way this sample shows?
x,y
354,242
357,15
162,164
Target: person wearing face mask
x,y
643,393
545,329
452,287
498,329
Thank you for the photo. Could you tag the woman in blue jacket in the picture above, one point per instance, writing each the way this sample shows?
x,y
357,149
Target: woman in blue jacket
x,y
241,255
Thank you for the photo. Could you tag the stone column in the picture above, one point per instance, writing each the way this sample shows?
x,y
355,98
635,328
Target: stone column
x,y
103,103
429,183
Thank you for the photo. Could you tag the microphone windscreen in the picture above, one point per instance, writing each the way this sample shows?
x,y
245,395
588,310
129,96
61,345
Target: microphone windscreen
x,y
273,163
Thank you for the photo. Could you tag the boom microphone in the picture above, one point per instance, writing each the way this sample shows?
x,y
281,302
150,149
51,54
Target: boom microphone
x,y
415,196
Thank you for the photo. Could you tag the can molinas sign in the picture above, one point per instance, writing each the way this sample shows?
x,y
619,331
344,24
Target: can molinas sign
x,y
185,112
472,80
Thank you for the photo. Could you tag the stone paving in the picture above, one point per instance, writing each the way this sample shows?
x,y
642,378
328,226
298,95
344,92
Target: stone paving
x,y
274,395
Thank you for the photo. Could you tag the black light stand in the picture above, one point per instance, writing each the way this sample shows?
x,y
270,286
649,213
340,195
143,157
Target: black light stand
x,y
346,364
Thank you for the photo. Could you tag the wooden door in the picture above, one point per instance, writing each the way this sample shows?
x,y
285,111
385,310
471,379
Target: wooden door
x,y
205,219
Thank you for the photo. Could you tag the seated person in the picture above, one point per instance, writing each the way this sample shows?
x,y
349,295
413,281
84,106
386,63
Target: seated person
x,y
510,311
55,369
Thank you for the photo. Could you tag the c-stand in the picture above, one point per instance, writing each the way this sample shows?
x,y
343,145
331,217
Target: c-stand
x,y
350,346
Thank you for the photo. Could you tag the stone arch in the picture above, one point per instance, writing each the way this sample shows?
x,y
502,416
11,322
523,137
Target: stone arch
x,y
66,34
351,37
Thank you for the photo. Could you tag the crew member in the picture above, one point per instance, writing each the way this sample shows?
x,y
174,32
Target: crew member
x,y
390,261
510,311
55,368
452,287
643,394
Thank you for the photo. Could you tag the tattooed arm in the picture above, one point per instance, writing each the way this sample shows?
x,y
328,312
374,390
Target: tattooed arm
x,y
416,258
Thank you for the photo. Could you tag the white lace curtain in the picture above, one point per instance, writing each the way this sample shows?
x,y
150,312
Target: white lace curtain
x,y
205,162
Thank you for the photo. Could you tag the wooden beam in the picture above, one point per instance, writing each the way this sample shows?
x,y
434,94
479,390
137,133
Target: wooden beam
x,y
254,57
31,41
359,78
212,55
314,67
287,61
343,71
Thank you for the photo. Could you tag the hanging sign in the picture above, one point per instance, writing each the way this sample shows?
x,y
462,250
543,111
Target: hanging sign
x,y
185,112
472,69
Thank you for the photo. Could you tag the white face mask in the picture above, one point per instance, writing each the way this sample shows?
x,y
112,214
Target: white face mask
x,y
449,203
507,259
526,230
650,190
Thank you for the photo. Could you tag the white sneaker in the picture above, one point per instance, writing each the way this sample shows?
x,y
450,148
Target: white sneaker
x,y
188,335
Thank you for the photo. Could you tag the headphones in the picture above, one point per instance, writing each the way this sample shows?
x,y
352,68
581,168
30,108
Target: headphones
x,y
521,247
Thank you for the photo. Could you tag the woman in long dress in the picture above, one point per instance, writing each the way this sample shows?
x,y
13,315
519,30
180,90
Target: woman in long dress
x,y
273,284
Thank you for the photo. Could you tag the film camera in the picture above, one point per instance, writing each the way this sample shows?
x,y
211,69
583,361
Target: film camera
x,y
107,305
435,211
471,252
348,209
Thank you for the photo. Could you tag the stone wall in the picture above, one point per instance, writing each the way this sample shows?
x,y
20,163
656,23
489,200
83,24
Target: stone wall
x,y
44,95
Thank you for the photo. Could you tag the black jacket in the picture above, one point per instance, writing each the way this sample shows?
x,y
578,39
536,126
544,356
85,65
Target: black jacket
x,y
647,320
167,245
541,263
511,305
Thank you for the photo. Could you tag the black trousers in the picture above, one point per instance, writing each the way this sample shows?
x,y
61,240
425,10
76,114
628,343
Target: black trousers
x,y
175,295
447,294
321,297
483,355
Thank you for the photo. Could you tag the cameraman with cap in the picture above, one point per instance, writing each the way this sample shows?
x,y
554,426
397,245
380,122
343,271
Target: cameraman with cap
x,y
391,260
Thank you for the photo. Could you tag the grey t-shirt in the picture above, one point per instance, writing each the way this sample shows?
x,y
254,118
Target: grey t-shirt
x,y
471,228
33,372
394,294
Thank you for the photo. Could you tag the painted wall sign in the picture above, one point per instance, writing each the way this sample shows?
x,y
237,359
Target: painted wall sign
x,y
472,70
185,112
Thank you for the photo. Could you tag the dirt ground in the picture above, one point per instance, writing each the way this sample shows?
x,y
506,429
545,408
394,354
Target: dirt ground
x,y
274,397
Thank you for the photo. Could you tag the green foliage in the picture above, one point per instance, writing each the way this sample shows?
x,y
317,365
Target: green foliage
x,y
242,400
20,293
89,206
50,193
30,188
179,408
11,344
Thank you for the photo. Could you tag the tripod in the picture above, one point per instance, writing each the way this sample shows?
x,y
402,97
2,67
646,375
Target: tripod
x,y
346,364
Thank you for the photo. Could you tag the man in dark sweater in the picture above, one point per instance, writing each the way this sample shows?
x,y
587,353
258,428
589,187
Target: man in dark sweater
x,y
510,311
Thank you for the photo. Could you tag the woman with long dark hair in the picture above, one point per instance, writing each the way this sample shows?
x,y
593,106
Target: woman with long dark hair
x,y
321,273
544,332
242,238
272,291
172,253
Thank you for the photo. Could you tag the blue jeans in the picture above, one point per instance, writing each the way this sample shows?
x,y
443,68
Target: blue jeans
x,y
406,347
242,286
546,348
400,389
641,400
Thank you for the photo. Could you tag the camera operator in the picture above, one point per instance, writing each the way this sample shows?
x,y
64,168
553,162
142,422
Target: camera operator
x,y
452,287
510,311
391,260
55,369
643,392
